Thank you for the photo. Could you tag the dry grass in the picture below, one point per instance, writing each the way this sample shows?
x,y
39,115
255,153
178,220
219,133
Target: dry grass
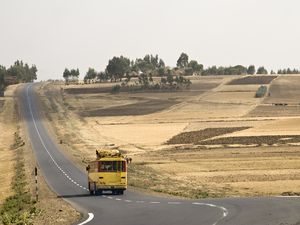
x,y
7,128
228,172
51,210
186,170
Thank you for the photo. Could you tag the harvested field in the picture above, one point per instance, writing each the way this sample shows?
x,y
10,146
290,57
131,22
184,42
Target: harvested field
x,y
274,111
285,89
238,88
141,108
254,140
211,113
194,137
202,86
233,97
253,80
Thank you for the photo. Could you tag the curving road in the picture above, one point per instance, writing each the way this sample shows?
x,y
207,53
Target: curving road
x,y
70,183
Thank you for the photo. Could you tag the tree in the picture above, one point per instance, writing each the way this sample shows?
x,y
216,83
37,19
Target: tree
x,y
251,70
117,67
161,64
20,72
90,75
183,60
262,70
196,67
102,76
2,74
66,75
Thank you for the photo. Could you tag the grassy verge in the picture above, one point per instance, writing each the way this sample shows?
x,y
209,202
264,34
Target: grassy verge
x,y
19,208
142,176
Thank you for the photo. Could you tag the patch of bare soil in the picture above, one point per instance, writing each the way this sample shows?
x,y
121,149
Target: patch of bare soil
x,y
257,140
253,80
195,137
140,108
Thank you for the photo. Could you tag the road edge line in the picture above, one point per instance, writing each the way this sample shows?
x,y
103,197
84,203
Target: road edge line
x,y
90,218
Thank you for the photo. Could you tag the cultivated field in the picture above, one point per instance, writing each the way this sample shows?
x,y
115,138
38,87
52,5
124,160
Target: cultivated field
x,y
215,139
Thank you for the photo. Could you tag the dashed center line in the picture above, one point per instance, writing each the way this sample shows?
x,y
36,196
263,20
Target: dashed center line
x,y
174,203
223,209
139,201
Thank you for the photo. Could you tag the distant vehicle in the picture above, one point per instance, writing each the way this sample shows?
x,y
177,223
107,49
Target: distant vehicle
x,y
107,173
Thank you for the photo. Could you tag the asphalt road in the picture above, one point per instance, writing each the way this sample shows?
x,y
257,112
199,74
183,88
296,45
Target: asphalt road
x,y
70,183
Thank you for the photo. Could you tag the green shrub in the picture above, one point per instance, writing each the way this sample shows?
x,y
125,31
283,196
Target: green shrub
x,y
261,92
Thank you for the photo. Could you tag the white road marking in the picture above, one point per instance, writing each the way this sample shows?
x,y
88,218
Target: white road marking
x,y
139,201
224,210
90,218
40,137
91,215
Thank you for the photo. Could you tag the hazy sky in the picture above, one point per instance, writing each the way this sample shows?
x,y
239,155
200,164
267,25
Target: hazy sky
x,y
55,34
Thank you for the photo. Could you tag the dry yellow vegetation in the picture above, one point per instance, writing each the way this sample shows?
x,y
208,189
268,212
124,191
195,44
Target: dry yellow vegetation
x,y
7,129
51,209
86,117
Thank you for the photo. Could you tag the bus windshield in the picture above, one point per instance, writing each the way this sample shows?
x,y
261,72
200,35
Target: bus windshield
x,y
112,166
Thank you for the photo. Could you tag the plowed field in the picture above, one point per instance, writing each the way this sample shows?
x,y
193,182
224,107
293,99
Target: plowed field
x,y
195,137
253,80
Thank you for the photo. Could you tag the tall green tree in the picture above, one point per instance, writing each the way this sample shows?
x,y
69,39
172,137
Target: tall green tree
x,y
196,67
117,67
2,74
90,75
183,60
66,75
251,70
102,76
262,70
20,72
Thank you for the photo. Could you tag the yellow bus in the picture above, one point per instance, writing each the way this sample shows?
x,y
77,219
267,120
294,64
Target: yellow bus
x,y
107,173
